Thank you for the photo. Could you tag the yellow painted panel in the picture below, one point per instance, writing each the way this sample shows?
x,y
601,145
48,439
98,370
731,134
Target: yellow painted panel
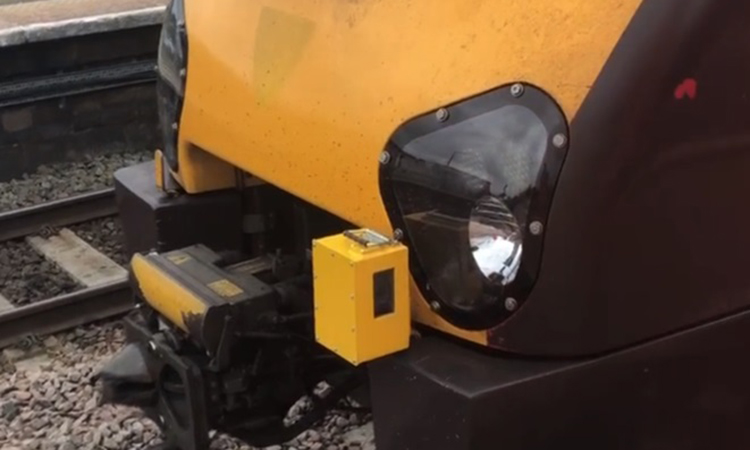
x,y
225,288
334,311
305,94
165,294
389,333
289,90
159,169
345,319
200,171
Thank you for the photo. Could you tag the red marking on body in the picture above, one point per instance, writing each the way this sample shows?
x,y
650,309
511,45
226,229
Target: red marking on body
x,y
689,88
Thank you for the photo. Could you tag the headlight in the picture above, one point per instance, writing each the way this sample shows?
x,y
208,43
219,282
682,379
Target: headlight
x,y
470,186
172,67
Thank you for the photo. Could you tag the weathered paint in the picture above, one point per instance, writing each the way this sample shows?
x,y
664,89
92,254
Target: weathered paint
x,y
165,294
305,94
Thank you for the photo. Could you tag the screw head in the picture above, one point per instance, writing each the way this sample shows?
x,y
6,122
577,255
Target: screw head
x,y
559,140
516,90
536,228
384,158
442,114
398,235
511,304
435,306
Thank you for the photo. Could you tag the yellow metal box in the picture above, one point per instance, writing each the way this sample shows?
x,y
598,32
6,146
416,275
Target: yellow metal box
x,y
362,309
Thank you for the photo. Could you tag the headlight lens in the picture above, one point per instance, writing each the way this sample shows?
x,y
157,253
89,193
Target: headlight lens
x,y
172,66
496,240
464,184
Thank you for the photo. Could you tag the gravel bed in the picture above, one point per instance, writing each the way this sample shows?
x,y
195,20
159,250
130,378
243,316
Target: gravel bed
x,y
106,236
48,402
62,180
26,277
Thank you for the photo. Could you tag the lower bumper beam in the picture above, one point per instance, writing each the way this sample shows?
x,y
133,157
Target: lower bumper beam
x,y
686,391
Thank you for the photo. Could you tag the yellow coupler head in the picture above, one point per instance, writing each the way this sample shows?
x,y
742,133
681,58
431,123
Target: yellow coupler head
x,y
361,295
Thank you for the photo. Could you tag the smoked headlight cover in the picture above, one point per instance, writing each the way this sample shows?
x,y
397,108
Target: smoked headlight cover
x,y
470,186
172,66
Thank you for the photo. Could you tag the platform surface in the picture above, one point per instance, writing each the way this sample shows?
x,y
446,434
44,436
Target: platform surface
x,y
24,22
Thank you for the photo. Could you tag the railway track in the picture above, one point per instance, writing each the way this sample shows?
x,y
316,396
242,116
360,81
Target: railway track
x,y
105,291
58,213
78,75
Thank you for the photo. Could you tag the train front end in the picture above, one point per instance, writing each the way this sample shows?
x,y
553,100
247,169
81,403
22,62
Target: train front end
x,y
510,224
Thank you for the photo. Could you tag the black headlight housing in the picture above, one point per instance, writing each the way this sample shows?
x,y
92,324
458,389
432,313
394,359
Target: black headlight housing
x,y
470,186
172,75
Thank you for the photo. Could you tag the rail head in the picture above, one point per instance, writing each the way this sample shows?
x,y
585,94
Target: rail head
x,y
57,213
65,312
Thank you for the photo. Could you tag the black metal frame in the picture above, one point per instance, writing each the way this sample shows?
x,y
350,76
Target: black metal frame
x,y
192,435
686,390
551,115
198,389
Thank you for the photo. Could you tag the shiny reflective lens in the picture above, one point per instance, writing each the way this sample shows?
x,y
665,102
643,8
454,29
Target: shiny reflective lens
x,y
496,240
479,174
464,190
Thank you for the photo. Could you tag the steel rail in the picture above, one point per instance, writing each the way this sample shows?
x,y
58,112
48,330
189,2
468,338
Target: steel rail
x,y
112,76
65,311
58,213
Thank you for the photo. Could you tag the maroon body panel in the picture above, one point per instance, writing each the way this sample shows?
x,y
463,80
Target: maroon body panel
x,y
648,231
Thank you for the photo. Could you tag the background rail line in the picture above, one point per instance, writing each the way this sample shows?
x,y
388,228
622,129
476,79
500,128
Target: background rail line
x,y
64,312
22,222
